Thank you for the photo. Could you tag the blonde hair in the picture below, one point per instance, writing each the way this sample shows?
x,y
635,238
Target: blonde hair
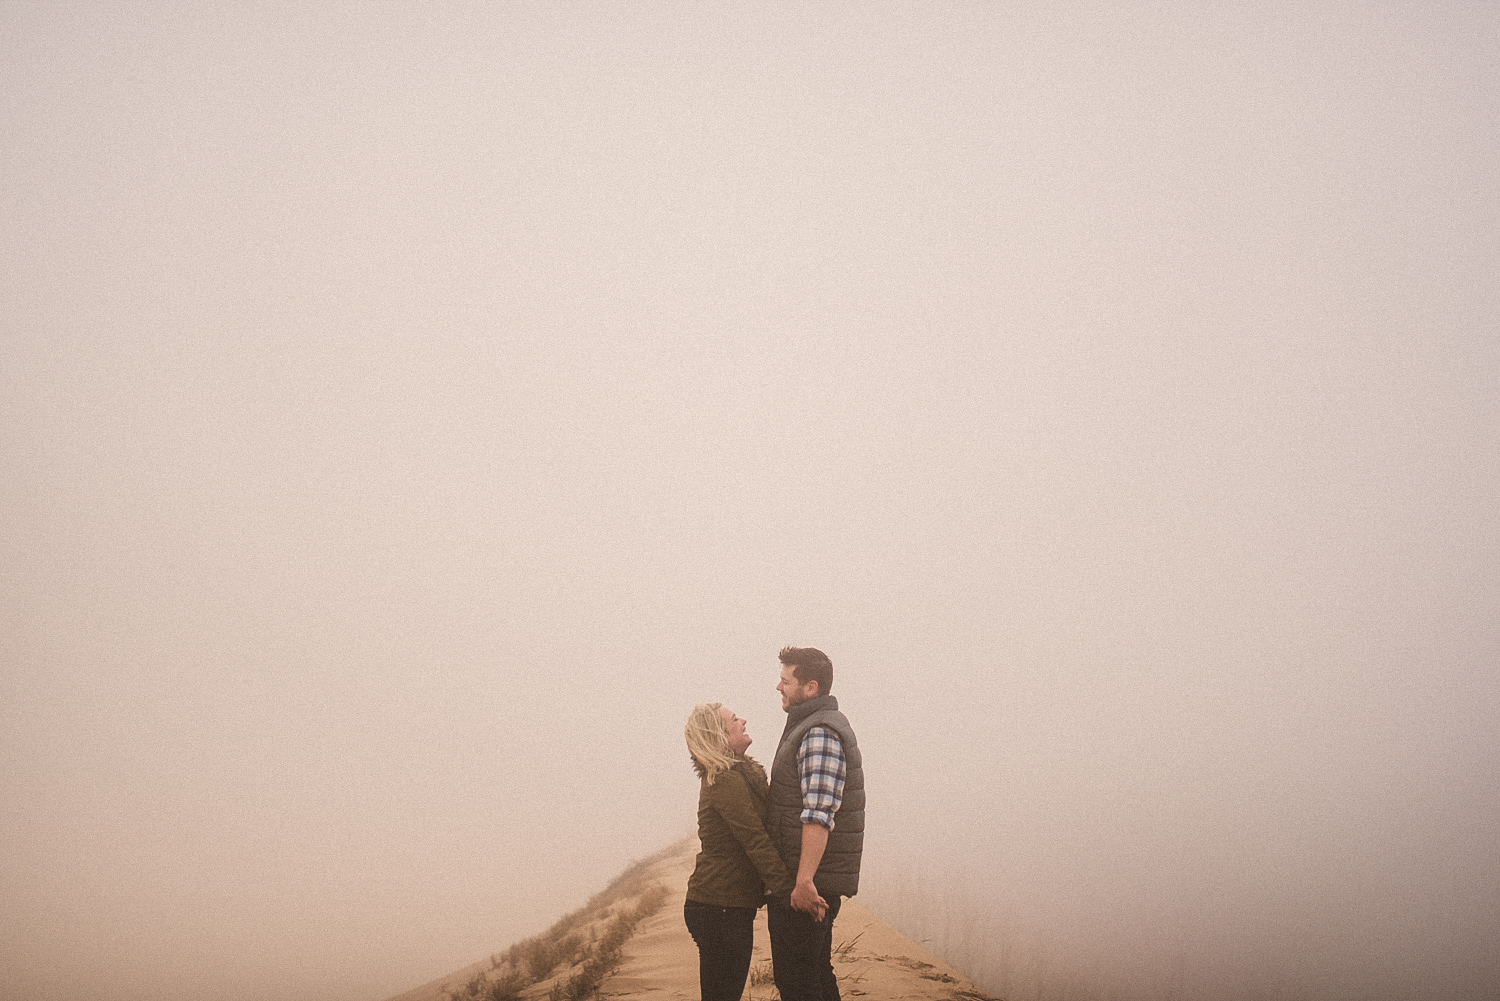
x,y
707,742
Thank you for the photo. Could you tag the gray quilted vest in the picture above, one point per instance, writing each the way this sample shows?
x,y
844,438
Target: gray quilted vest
x,y
839,871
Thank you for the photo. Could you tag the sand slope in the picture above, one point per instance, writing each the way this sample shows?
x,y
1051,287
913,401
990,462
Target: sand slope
x,y
660,961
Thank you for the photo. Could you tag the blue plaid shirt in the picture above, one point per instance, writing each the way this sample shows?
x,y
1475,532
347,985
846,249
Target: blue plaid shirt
x,y
820,762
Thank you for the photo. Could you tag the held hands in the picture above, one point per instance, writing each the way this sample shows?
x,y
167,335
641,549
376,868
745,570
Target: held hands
x,y
807,899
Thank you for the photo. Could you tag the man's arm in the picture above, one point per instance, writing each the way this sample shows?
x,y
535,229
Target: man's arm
x,y
805,897
820,762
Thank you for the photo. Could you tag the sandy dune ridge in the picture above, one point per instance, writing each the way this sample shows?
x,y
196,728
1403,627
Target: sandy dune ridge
x,y
660,963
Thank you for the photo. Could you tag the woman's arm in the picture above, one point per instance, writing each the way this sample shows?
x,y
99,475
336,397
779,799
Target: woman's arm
x,y
731,800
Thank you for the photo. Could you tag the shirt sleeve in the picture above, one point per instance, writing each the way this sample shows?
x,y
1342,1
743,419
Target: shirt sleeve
x,y
820,762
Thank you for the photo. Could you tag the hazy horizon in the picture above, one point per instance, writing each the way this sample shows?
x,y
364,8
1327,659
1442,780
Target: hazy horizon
x,y
408,413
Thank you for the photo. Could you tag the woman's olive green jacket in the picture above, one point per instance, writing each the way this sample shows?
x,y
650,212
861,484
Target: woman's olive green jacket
x,y
737,865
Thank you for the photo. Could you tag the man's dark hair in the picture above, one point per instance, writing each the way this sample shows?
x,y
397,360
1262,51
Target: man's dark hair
x,y
809,664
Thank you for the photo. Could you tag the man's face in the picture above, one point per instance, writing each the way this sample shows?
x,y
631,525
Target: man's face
x,y
794,692
734,729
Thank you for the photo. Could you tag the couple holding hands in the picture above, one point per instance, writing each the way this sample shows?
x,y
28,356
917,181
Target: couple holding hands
x,y
791,841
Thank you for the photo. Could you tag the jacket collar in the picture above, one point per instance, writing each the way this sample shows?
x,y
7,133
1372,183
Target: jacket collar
x,y
798,713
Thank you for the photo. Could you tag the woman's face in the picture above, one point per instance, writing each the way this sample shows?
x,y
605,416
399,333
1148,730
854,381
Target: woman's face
x,y
734,729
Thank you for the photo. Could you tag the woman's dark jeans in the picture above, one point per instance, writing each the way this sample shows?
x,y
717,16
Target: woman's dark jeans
x,y
725,937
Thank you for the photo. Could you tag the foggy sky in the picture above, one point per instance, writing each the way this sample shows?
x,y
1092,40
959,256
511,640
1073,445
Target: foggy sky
x,y
407,413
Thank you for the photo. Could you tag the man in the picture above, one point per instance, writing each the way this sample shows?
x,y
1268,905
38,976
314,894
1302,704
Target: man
x,y
816,822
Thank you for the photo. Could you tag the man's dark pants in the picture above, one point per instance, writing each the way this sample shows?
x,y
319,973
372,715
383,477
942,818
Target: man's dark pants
x,y
726,938
801,952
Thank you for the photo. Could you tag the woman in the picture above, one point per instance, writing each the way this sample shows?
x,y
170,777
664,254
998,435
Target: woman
x,y
737,865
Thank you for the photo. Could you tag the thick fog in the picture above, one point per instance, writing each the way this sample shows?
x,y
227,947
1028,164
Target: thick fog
x,y
408,412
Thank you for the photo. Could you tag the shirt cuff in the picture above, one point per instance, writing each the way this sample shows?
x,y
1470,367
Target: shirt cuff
x,y
824,817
